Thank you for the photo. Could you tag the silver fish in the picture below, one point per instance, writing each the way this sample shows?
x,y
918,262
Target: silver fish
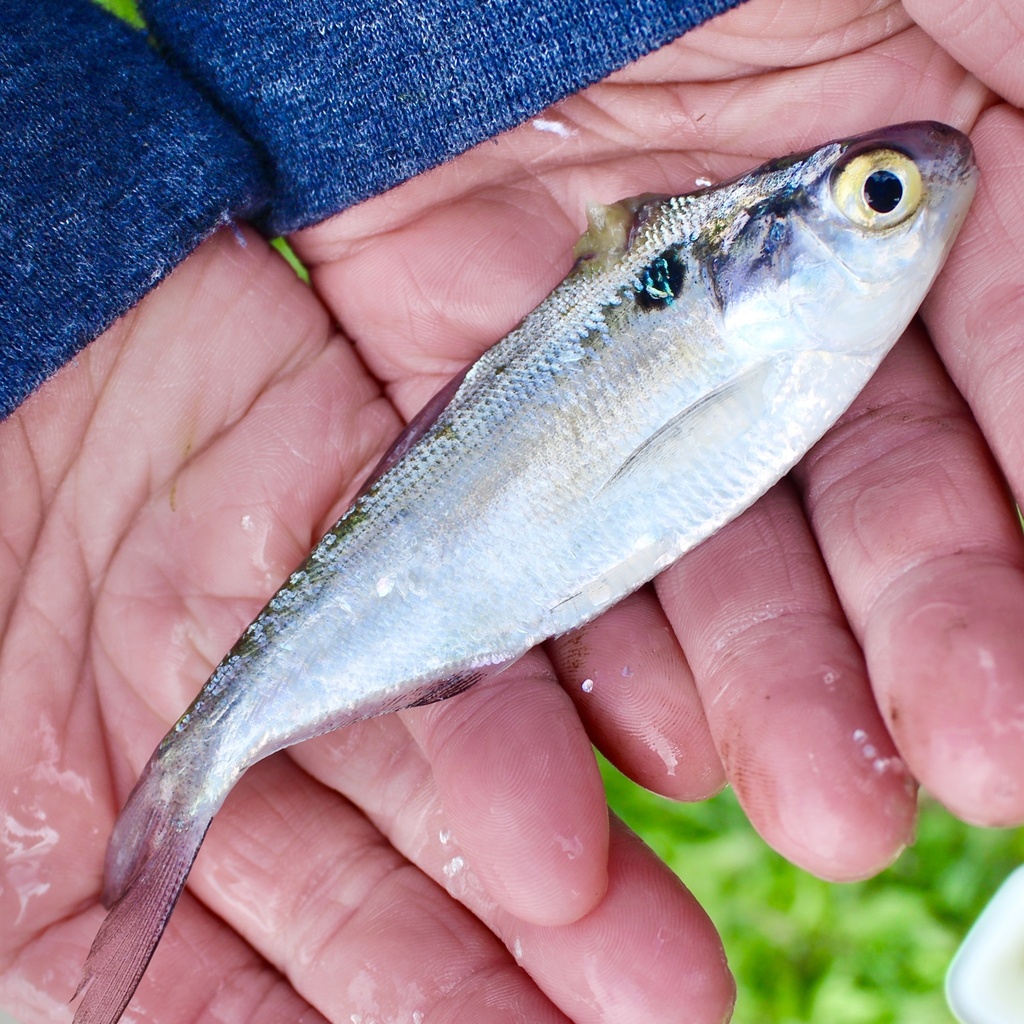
x,y
699,347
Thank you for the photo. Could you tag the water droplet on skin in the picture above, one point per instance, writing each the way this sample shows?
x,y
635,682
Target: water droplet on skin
x,y
661,745
587,686
517,950
246,522
702,182
626,671
830,678
882,765
571,846
445,835
417,1017
869,750
547,124
454,866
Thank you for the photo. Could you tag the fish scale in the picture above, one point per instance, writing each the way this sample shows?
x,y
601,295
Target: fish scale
x,y
696,351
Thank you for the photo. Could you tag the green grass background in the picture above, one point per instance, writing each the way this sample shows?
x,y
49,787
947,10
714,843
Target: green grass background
x,y
811,952
806,951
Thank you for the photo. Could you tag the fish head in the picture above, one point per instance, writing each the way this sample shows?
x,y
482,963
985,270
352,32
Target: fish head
x,y
834,250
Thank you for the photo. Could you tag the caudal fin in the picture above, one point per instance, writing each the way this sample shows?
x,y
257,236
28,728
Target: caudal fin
x,y
156,839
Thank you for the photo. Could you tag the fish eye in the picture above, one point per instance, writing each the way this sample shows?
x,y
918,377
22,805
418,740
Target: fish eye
x,y
877,189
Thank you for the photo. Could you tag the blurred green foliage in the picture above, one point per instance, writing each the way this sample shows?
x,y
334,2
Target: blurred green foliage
x,y
125,9
291,259
806,951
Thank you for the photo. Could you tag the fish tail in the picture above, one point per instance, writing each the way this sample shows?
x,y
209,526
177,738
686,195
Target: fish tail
x,y
155,840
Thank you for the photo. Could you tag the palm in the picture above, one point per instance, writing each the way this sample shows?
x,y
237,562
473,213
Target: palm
x,y
157,492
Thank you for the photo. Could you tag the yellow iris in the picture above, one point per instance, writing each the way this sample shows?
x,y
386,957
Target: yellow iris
x,y
878,189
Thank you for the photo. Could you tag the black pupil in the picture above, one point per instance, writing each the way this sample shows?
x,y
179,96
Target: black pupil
x,y
883,191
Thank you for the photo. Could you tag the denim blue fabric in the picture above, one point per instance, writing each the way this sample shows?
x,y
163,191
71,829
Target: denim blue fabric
x,y
350,97
111,170
120,152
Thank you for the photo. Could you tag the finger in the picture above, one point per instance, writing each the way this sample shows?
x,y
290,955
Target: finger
x,y
986,38
786,694
515,770
921,539
646,952
635,694
973,762
361,933
975,311
467,268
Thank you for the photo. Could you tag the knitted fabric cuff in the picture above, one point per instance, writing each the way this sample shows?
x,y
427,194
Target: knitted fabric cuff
x,y
121,150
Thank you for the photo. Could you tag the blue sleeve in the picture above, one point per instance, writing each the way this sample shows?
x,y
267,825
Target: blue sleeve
x,y
120,150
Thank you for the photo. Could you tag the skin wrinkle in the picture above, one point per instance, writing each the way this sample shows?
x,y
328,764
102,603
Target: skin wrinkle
x,y
877,21
128,511
924,567
976,40
54,637
747,633
997,320
318,876
251,968
906,432
894,400
874,496
64,494
11,601
206,1012
324,934
375,442
651,699
912,569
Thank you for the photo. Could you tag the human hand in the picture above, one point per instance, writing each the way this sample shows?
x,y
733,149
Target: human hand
x,y
167,504
908,505
886,571
153,495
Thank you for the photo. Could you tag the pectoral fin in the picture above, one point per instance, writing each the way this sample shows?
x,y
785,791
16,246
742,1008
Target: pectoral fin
x,y
713,420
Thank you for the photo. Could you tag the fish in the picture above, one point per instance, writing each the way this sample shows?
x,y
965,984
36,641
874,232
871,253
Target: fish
x,y
701,344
